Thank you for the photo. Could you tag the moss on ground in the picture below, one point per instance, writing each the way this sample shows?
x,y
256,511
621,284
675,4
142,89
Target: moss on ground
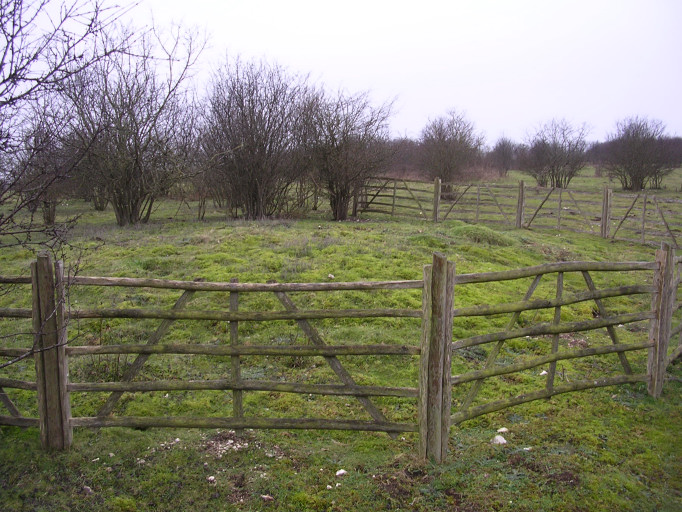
x,y
605,449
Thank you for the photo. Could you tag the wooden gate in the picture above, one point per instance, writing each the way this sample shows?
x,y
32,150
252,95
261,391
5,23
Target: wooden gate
x,y
629,310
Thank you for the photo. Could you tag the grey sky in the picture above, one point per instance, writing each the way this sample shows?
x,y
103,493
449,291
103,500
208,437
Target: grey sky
x,y
509,65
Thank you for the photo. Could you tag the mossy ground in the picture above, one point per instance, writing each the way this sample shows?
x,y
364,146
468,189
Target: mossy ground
x,y
604,449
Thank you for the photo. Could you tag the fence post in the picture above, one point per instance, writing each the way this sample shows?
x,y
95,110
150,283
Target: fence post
x,y
436,199
660,327
237,395
395,186
520,205
52,368
606,212
435,360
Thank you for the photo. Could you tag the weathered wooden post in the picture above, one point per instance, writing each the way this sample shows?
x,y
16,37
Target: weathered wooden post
x,y
606,212
52,367
646,199
435,389
237,395
520,205
436,199
660,327
395,188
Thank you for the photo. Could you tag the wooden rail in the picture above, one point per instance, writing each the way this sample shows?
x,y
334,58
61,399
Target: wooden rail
x,y
662,305
433,391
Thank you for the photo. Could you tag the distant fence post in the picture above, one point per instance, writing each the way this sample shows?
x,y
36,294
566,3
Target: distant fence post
x,y
395,188
50,353
435,389
663,300
520,205
436,199
606,212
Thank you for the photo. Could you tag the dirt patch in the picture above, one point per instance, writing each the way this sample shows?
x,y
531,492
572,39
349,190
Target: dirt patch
x,y
564,478
574,341
239,492
460,503
403,484
228,441
224,442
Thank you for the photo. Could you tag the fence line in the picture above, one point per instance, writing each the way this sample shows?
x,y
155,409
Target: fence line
x,y
641,217
436,407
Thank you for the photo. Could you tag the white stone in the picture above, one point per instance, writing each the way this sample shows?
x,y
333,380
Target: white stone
x,y
502,430
499,440
341,472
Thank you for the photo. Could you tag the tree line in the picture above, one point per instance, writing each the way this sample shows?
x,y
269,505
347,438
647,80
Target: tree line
x,y
96,110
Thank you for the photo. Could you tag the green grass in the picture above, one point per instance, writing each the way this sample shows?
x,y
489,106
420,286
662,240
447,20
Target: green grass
x,y
605,449
587,179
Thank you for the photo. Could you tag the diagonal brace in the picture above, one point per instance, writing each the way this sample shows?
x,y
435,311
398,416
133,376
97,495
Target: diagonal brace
x,y
7,402
333,361
612,332
492,356
137,365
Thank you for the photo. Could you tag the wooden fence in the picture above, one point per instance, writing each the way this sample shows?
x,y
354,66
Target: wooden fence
x,y
437,392
641,217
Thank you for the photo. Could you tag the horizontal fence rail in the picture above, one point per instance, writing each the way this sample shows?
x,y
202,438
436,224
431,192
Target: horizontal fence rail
x,y
660,301
444,397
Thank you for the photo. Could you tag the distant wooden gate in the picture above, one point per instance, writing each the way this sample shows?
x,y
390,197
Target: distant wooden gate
x,y
642,217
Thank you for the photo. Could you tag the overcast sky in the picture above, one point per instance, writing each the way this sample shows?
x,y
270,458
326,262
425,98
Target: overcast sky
x,y
508,65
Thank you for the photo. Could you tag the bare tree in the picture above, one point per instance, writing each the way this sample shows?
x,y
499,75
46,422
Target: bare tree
x,y
555,154
46,164
37,173
252,135
503,155
348,143
638,153
406,158
449,145
132,113
45,43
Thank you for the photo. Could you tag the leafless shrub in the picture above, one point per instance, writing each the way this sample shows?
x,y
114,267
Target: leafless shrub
x,y
348,143
251,136
555,153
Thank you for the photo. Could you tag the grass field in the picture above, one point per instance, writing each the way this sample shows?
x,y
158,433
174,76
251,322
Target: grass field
x,y
605,449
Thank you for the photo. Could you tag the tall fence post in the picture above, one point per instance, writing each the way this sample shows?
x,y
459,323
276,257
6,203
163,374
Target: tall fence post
x,y
520,205
663,300
606,212
52,368
436,199
435,390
